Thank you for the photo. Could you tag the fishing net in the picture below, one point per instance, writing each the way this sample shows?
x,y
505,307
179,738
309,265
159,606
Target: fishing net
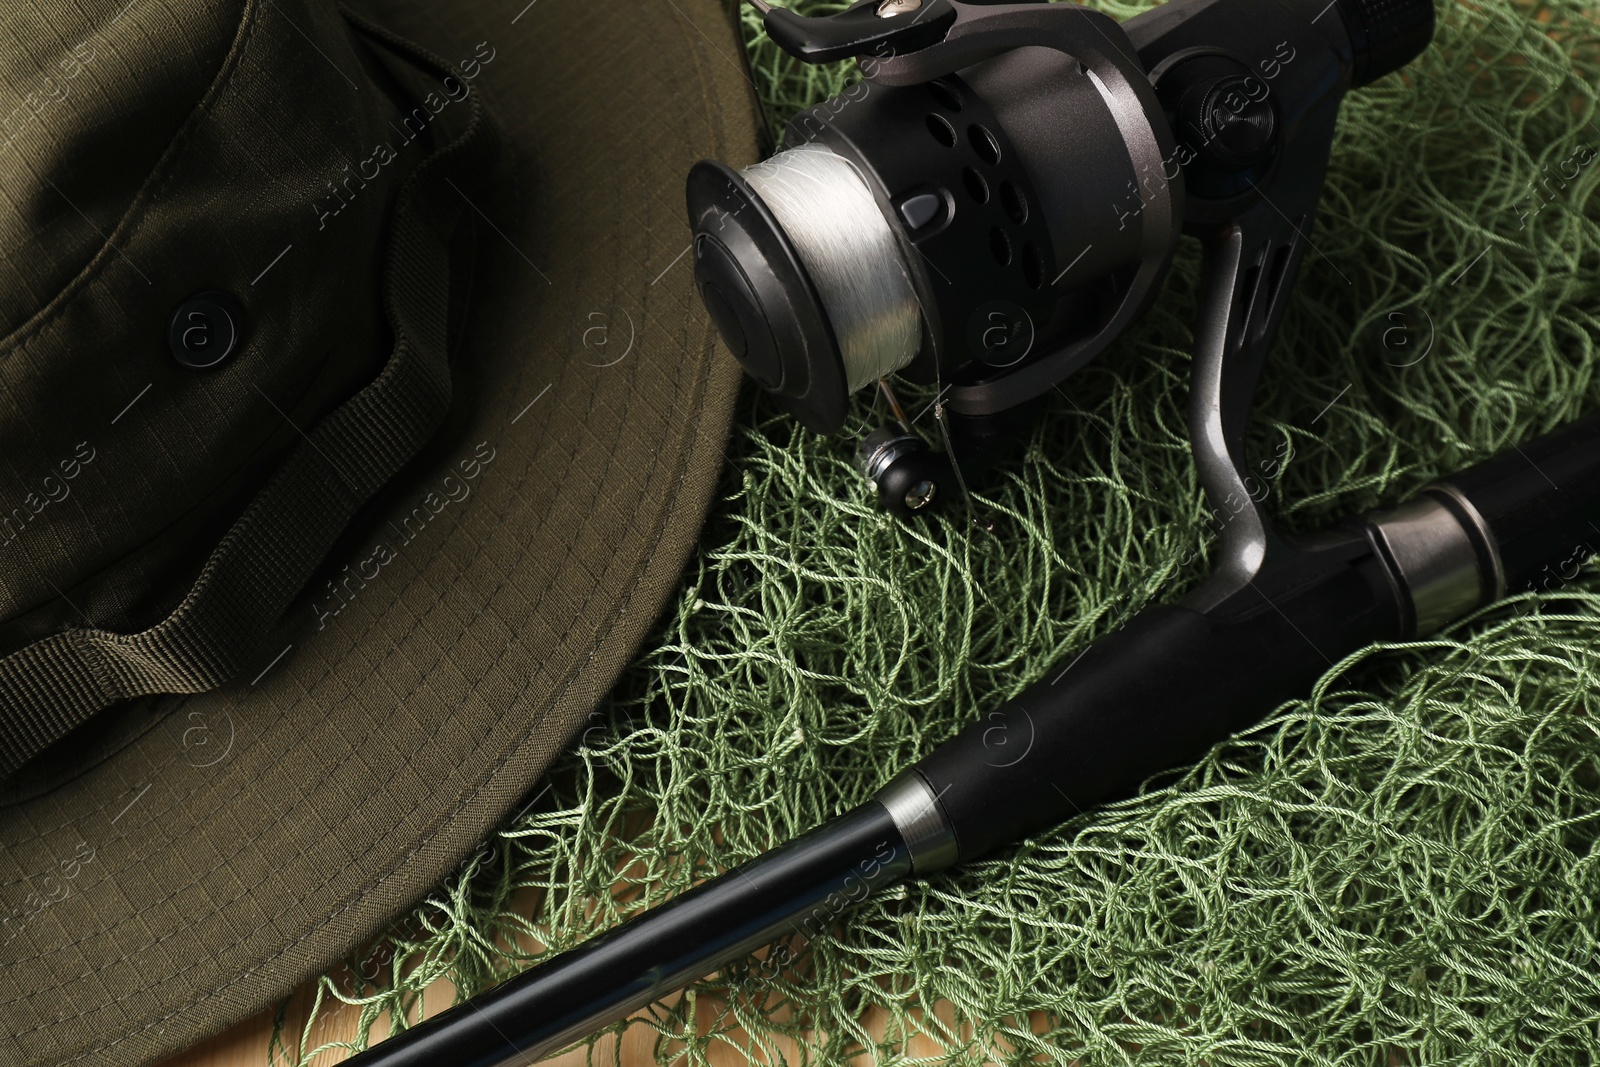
x,y
1401,868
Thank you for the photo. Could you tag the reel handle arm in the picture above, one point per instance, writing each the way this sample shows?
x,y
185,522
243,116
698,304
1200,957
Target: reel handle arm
x,y
1250,270
1254,230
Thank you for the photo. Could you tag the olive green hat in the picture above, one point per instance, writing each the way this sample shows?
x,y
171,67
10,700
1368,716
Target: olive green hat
x,y
356,418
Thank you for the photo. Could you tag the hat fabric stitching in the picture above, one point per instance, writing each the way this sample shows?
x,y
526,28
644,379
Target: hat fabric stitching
x,y
663,520
37,835
184,652
153,186
664,513
464,799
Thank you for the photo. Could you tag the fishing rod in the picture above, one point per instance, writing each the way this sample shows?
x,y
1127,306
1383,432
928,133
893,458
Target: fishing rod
x,y
1000,201
1154,695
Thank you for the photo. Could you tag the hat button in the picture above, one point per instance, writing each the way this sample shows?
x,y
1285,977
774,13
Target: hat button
x,y
205,329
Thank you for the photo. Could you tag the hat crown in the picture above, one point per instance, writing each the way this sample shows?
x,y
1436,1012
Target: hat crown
x,y
245,153
94,93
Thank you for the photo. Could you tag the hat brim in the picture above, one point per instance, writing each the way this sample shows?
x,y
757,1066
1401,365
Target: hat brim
x,y
225,847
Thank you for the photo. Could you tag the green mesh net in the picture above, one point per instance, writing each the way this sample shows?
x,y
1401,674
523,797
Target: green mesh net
x,y
1400,869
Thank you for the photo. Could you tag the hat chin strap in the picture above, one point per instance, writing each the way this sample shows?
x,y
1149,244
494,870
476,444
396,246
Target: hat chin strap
x,y
52,686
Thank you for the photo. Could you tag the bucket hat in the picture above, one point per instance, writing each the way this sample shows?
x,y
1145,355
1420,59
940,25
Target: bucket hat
x,y
357,416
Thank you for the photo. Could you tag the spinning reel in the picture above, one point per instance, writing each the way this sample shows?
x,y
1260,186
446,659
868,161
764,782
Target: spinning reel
x,y
1002,196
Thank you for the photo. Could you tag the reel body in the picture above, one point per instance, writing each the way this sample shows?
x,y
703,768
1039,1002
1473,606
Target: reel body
x,y
998,184
1002,196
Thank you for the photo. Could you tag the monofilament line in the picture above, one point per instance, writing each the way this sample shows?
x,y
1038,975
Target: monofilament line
x,y
851,253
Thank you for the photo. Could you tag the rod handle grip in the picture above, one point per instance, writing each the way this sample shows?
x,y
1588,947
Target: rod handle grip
x,y
1541,505
1154,695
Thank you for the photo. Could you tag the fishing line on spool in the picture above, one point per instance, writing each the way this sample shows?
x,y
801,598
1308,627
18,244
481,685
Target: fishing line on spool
x,y
851,253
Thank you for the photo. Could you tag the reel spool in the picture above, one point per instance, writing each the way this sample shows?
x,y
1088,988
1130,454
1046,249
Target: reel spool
x,y
1002,195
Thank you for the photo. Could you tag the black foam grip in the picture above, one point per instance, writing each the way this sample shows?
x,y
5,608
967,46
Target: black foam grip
x,y
1152,696
1542,503
1386,34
